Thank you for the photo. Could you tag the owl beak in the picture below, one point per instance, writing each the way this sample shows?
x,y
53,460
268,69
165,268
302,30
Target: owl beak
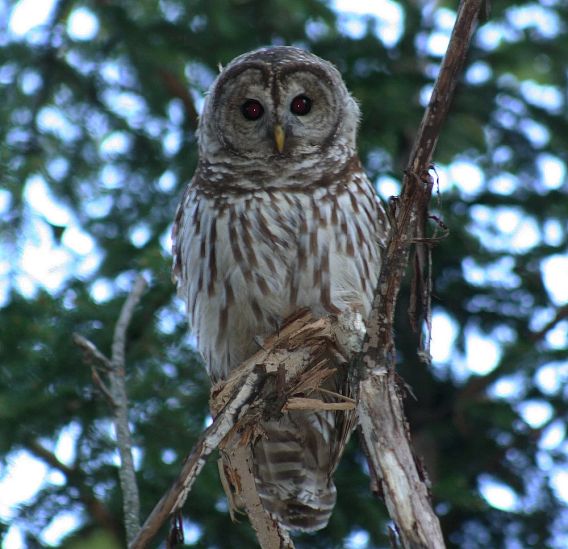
x,y
279,138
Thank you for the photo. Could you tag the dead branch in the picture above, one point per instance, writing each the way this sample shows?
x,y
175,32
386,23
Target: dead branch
x,y
236,471
127,474
205,445
311,349
96,360
116,396
381,417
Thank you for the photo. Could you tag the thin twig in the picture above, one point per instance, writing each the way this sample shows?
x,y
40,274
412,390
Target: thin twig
x,y
92,353
336,395
96,360
381,417
117,398
98,381
127,473
312,404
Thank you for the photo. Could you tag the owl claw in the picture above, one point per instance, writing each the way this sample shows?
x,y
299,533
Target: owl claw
x,y
259,340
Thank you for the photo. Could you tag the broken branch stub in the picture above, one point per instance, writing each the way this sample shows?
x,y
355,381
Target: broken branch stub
x,y
287,371
297,362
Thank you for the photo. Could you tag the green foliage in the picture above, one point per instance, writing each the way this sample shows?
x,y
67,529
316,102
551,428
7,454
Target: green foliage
x,y
108,124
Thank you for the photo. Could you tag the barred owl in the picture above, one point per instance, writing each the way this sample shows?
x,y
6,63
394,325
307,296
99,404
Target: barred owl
x,y
279,216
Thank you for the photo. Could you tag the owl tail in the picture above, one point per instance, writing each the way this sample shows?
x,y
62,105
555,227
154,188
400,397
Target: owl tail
x,y
294,464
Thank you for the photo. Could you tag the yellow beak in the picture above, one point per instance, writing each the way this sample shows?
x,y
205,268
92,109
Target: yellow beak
x,y
279,138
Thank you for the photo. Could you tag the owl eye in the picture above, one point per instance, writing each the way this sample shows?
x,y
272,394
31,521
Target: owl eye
x,y
252,109
301,105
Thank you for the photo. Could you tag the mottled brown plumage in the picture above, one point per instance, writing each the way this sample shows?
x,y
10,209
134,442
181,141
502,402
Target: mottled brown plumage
x,y
279,216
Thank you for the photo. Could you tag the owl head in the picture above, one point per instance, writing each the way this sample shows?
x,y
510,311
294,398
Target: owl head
x,y
276,104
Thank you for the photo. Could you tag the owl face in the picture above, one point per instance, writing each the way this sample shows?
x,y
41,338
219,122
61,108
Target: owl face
x,y
278,103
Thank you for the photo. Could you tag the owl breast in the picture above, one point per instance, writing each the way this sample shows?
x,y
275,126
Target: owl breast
x,y
247,260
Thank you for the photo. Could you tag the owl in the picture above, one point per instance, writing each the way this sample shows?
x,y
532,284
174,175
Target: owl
x,y
279,216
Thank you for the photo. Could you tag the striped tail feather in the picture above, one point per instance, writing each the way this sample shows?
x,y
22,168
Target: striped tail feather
x,y
294,465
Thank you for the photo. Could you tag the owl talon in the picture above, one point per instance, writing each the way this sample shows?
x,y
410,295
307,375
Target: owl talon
x,y
259,340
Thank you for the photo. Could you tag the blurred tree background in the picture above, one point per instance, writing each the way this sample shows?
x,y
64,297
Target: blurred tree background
x,y
98,106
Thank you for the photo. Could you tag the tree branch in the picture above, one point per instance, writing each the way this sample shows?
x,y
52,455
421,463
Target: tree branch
x,y
40,451
236,473
180,90
117,398
381,417
127,474
92,353
209,440
94,357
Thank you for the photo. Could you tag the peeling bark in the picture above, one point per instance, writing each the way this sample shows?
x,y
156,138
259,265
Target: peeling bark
x,y
311,351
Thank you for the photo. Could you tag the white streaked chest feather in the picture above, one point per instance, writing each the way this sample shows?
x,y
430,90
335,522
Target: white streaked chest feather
x,y
248,260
